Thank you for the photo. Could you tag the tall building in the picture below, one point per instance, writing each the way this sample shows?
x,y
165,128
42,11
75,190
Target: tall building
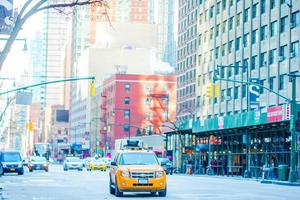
x,y
135,105
54,38
255,36
186,58
243,41
166,29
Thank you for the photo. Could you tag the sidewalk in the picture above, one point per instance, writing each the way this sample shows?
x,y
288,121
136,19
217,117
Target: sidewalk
x,y
265,181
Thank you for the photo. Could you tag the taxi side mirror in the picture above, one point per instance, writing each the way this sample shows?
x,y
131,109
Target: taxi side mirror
x,y
113,163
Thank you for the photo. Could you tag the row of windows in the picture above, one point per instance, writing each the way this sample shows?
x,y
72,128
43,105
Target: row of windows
x,y
273,54
187,91
188,63
273,30
188,105
189,75
188,49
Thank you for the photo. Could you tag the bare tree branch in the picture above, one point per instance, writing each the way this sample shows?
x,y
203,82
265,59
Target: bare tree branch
x,y
27,12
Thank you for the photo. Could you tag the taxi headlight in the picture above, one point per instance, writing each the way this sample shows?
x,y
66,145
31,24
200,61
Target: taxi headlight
x,y
159,174
125,174
4,165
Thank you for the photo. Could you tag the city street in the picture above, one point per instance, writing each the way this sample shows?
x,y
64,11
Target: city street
x,y
75,185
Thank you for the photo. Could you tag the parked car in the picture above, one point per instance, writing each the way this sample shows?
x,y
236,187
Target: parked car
x,y
73,163
38,163
166,165
11,162
1,169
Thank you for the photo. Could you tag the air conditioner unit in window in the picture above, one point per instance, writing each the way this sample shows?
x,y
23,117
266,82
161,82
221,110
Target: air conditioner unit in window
x,y
281,58
292,54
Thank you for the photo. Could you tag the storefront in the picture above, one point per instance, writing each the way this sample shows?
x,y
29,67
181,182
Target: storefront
x,y
234,145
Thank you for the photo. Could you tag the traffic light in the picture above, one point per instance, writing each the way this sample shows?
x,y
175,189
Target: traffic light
x,y
209,90
92,88
216,90
29,126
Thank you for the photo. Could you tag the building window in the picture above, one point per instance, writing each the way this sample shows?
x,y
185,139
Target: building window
x,y
281,82
211,12
126,127
238,19
236,92
231,3
222,95
211,33
272,56
253,62
244,89
127,87
224,26
230,23
263,7
294,49
254,11
263,59
224,4
261,89
283,23
246,39
237,43
263,32
237,68
245,64
254,36
223,48
273,28
126,114
282,53
127,100
271,83
246,15
217,30
217,52
229,92
229,72
272,3
230,46
218,7
295,19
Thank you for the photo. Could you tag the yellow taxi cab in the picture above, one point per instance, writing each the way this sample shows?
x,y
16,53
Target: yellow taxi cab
x,y
136,170
97,164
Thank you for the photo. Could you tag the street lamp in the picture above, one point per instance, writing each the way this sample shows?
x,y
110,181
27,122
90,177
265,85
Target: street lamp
x,y
25,47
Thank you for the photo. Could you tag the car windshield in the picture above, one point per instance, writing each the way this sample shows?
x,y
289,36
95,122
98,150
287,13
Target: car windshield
x,y
138,159
11,157
38,159
73,159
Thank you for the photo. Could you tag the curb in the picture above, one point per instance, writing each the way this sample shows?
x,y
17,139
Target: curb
x,y
280,183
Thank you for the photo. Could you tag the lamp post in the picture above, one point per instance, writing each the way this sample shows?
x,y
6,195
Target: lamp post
x,y
25,47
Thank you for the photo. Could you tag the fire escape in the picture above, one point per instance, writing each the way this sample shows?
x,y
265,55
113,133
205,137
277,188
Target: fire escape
x,y
103,119
158,104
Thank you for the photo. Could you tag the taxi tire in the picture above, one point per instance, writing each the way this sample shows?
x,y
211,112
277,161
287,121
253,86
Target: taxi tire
x,y
118,193
163,193
111,189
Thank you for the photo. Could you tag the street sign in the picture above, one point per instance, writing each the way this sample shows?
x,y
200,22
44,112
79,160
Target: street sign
x,y
24,97
6,16
254,94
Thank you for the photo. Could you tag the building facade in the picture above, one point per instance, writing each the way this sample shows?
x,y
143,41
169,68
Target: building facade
x,y
243,41
135,105
186,58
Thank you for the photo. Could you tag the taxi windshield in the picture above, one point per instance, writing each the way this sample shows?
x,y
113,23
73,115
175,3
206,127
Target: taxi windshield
x,y
38,159
138,159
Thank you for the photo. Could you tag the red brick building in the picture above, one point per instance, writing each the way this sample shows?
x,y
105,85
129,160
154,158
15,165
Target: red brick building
x,y
136,104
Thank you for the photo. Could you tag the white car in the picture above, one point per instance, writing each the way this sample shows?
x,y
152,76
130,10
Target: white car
x,y
107,161
73,163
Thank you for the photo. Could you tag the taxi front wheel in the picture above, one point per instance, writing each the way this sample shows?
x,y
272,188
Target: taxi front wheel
x,y
163,193
118,193
111,189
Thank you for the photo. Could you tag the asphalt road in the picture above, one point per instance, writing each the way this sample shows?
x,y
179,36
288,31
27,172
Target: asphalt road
x,y
74,185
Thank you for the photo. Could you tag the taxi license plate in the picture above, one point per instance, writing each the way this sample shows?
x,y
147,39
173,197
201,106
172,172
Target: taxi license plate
x,y
12,169
143,181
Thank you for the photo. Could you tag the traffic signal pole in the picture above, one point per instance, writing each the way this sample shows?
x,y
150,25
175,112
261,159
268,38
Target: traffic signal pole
x,y
47,83
293,172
